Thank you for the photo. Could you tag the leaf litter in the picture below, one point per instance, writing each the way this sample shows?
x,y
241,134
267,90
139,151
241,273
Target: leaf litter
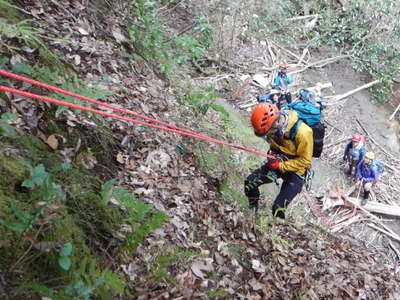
x,y
231,254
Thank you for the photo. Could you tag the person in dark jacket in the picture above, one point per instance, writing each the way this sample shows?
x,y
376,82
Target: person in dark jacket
x,y
273,97
354,152
367,175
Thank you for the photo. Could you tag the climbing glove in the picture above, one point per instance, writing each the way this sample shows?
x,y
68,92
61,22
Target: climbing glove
x,y
273,164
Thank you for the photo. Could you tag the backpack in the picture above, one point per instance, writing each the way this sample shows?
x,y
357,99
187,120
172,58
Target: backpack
x,y
379,166
311,115
309,96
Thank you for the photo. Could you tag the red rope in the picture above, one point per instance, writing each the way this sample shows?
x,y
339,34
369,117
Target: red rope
x,y
118,117
122,110
86,99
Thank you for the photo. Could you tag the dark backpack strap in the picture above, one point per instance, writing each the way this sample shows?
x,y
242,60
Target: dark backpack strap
x,y
294,129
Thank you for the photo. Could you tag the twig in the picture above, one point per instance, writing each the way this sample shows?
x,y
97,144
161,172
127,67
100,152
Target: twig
x,y
320,63
394,249
303,17
394,113
271,53
337,142
334,127
302,56
395,237
27,250
286,50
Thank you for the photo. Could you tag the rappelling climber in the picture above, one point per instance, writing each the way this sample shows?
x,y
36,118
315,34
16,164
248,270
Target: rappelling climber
x,y
282,81
367,175
354,152
289,159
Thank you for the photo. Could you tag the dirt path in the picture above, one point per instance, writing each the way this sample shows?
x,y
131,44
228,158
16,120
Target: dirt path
x,y
373,117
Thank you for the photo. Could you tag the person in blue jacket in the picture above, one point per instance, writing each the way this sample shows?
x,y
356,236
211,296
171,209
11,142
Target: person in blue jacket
x,y
354,152
282,81
367,175
273,97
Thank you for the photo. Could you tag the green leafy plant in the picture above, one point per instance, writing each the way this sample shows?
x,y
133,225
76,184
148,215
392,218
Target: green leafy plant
x,y
64,260
49,191
147,35
91,280
140,216
218,294
29,35
5,128
193,46
162,262
107,190
76,85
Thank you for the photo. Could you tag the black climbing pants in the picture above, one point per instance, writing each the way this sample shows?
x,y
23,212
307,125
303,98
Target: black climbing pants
x,y
291,186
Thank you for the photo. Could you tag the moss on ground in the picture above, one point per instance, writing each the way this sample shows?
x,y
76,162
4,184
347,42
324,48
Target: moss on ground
x,y
82,219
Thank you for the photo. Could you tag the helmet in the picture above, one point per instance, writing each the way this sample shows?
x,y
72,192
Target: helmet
x,y
283,67
263,116
370,155
275,91
357,137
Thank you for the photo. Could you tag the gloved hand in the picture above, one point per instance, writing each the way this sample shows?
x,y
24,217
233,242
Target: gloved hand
x,y
273,164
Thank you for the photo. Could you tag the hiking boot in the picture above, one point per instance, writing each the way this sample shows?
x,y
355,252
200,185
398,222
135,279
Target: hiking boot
x,y
365,198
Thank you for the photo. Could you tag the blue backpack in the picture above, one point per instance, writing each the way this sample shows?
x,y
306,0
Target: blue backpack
x,y
379,166
307,95
311,115
307,112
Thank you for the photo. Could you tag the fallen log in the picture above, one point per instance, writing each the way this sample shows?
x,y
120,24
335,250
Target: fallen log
x,y
370,206
363,87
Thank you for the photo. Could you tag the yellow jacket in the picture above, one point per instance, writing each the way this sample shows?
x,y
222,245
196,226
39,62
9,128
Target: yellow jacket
x,y
300,152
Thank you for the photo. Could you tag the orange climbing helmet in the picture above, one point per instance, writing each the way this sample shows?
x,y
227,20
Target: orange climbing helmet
x,y
357,137
263,116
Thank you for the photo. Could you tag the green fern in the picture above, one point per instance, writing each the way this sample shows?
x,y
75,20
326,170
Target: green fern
x,y
27,34
141,216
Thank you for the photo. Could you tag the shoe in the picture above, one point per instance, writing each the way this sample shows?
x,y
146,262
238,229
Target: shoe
x,y
363,202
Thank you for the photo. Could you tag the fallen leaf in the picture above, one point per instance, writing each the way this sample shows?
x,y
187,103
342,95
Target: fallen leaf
x,y
46,246
52,142
258,266
82,31
120,158
201,266
255,285
117,34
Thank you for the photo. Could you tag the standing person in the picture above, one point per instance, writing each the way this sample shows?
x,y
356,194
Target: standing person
x,y
273,97
290,158
354,152
367,175
282,81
